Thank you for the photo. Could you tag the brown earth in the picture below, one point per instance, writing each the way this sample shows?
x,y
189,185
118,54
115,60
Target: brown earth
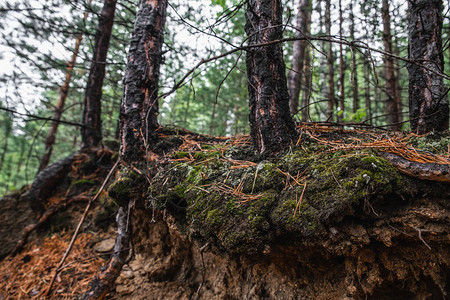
x,y
389,245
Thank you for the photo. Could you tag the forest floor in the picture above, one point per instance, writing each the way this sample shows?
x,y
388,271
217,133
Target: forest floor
x,y
328,217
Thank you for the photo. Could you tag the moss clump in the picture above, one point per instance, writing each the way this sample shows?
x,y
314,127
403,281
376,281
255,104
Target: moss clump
x,y
181,154
121,189
82,182
437,143
337,186
202,155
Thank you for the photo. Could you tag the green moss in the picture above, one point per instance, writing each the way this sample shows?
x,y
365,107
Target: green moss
x,y
437,143
180,154
337,186
214,218
81,182
122,188
202,155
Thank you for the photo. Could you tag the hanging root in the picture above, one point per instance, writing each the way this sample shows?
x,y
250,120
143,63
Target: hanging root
x,y
426,171
102,284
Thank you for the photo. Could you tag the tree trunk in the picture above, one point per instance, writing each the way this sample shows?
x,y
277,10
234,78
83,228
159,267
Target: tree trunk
x,y
367,92
8,128
91,133
271,124
330,61
391,81
428,103
298,55
307,87
63,92
139,108
340,116
354,67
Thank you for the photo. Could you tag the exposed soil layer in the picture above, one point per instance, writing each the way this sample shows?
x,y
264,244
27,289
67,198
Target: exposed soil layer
x,y
210,219
229,229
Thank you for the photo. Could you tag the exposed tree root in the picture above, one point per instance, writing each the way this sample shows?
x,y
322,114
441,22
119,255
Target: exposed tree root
x,y
44,218
426,171
103,283
45,183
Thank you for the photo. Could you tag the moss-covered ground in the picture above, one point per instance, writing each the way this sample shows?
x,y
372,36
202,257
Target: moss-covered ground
x,y
241,201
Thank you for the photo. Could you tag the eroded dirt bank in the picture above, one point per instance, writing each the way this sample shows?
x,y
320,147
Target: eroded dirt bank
x,y
305,225
209,219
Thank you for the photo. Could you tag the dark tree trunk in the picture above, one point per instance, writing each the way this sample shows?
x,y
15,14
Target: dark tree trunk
x,y
354,67
389,71
307,88
367,92
340,116
428,103
91,133
298,55
330,62
139,108
271,124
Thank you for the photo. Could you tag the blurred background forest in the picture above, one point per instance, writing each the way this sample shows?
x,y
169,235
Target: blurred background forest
x,y
46,50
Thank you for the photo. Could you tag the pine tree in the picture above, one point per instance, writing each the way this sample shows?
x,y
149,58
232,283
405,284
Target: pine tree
x,y
271,124
91,133
139,108
428,103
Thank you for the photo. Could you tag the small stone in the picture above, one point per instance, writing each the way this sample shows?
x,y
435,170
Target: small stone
x,y
128,274
135,265
105,246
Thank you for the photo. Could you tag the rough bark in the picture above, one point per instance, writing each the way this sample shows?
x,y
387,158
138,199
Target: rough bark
x,y
428,103
139,107
295,79
91,134
307,88
354,68
389,71
330,62
271,124
63,92
341,68
367,92
425,171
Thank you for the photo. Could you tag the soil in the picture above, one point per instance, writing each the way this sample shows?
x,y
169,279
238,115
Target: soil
x,y
362,229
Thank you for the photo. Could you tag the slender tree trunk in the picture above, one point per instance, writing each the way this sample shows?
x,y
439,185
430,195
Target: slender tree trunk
x,y
8,128
139,108
298,55
213,116
367,68
389,71
236,119
397,76
330,60
354,67
63,92
307,87
340,116
91,133
271,124
428,103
